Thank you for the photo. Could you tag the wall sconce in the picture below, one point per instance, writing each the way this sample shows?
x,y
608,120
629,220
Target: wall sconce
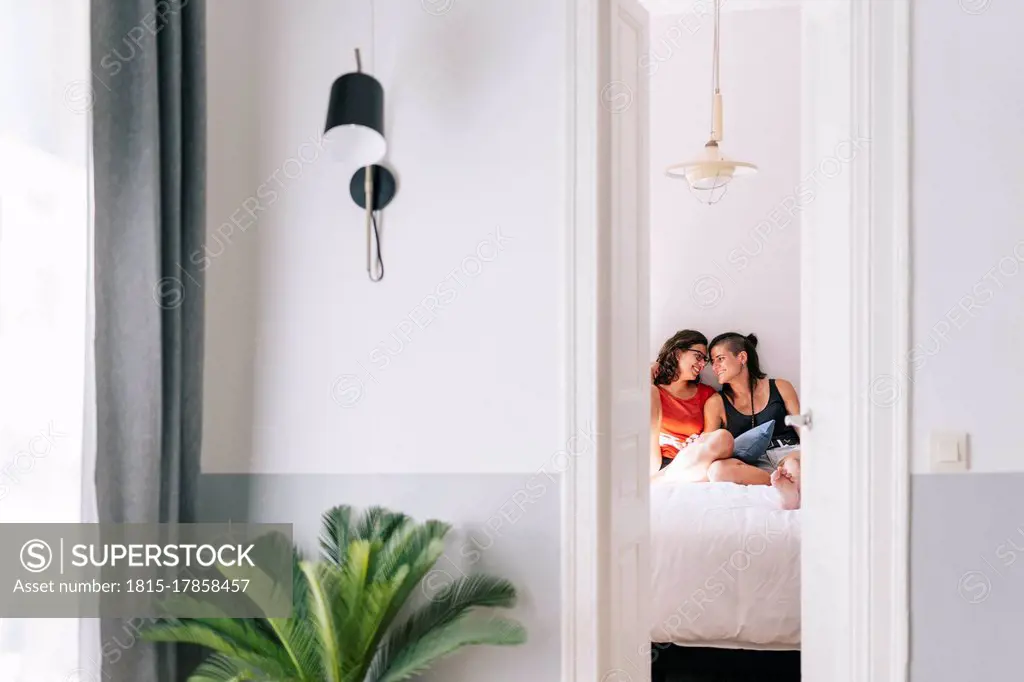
x,y
355,134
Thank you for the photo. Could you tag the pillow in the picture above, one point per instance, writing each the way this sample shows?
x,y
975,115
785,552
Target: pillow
x,y
751,445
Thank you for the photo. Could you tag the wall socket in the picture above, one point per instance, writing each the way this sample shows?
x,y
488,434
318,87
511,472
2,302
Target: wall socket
x,y
949,452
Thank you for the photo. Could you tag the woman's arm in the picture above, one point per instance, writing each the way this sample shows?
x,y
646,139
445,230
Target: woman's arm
x,y
655,431
789,397
714,414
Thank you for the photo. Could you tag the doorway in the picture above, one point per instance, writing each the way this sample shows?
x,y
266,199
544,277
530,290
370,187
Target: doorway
x,y
725,263
854,320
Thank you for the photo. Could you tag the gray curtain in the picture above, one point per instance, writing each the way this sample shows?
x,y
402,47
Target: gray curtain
x,y
149,128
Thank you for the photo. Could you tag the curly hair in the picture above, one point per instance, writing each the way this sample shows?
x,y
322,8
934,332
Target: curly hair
x,y
668,360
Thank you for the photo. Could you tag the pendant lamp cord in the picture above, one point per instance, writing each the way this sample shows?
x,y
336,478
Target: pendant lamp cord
x,y
714,67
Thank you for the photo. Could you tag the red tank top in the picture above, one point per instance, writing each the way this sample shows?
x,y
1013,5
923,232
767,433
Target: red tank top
x,y
682,418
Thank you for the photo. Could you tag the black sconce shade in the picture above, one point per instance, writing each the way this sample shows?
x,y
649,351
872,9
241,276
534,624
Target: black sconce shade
x,y
355,120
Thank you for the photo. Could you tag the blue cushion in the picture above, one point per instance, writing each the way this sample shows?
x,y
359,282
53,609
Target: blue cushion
x,y
751,445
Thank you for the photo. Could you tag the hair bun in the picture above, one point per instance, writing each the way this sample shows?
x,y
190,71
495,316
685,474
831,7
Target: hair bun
x,y
752,340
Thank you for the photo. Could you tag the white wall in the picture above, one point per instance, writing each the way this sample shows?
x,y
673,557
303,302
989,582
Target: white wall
x,y
968,329
968,243
453,362
733,266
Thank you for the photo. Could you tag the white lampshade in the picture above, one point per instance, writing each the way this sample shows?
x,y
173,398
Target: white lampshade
x,y
355,146
709,175
354,131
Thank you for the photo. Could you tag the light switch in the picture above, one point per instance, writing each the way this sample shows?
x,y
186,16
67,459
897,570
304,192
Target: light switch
x,y
949,452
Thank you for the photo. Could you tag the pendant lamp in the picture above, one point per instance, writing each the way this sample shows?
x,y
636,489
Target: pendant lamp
x,y
711,172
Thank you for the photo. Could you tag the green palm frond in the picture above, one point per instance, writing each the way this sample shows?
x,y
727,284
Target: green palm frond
x,y
220,668
387,531
367,628
409,562
245,633
380,527
300,590
301,640
386,560
335,532
297,635
322,590
193,632
419,549
420,654
447,605
353,609
378,523
475,590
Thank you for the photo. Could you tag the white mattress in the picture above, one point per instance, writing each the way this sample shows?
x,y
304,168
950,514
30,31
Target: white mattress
x,y
726,566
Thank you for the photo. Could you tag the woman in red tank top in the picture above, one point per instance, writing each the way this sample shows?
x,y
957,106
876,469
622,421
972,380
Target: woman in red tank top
x,y
680,450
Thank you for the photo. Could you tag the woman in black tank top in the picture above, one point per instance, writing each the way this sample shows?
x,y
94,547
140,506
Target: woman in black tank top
x,y
749,399
738,422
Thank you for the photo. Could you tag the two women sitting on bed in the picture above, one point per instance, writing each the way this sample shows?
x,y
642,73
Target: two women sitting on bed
x,y
695,432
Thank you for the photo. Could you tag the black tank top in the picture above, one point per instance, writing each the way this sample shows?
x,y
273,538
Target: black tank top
x,y
737,422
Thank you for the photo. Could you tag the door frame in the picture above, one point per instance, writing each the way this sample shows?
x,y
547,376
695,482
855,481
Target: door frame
x,y
857,547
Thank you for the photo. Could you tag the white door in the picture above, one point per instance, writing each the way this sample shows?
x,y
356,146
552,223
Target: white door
x,y
625,362
854,316
825,348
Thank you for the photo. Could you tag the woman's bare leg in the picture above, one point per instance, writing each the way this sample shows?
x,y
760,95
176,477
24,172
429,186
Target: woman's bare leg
x,y
692,462
735,471
786,479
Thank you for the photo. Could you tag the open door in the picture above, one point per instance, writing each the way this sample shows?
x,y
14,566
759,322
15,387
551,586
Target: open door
x,y
826,346
854,205
854,340
624,356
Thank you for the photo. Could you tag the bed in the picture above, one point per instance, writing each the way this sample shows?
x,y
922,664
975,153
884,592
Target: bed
x,y
726,576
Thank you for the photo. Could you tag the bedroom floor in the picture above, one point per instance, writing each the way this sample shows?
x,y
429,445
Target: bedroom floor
x,y
695,664
749,677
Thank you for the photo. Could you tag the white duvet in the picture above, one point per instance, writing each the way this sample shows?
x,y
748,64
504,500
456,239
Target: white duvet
x,y
726,565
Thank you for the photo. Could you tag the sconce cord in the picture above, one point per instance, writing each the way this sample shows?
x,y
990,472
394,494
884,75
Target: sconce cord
x,y
380,257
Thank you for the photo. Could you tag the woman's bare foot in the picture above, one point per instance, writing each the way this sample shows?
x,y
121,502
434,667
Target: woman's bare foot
x,y
789,491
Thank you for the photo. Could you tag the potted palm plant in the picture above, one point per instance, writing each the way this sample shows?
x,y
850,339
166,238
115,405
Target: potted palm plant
x,y
349,621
